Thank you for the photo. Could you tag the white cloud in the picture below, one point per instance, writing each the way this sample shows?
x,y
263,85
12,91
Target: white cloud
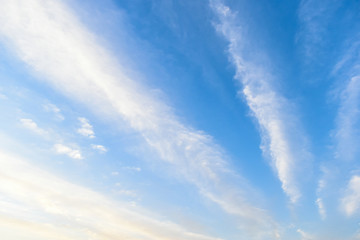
x,y
38,205
350,203
321,187
100,148
86,128
304,235
49,107
73,153
49,38
31,125
282,137
320,204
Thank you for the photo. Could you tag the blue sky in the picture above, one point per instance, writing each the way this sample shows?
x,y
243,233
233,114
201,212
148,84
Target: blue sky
x,y
191,120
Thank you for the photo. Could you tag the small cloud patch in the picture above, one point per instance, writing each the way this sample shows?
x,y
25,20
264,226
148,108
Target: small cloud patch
x,y
86,128
72,153
100,148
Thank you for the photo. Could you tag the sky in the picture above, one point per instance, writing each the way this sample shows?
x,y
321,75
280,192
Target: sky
x,y
179,120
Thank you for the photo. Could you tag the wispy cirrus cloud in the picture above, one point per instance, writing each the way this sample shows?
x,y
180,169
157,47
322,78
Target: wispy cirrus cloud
x,y
322,184
347,71
38,204
321,207
314,17
282,137
348,121
51,40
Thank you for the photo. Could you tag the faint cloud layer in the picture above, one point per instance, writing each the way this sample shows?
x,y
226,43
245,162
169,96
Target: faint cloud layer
x,y
68,211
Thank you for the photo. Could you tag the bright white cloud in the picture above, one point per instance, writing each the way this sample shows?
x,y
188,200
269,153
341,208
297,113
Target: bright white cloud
x,y
37,205
86,128
31,125
100,148
49,38
282,138
73,153
350,203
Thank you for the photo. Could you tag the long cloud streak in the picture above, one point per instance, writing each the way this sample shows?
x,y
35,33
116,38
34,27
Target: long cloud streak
x,y
281,138
49,38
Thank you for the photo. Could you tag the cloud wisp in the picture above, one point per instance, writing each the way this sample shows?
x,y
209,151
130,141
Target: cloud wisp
x,y
49,107
347,133
305,235
350,203
321,207
281,138
60,50
32,126
99,148
314,16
